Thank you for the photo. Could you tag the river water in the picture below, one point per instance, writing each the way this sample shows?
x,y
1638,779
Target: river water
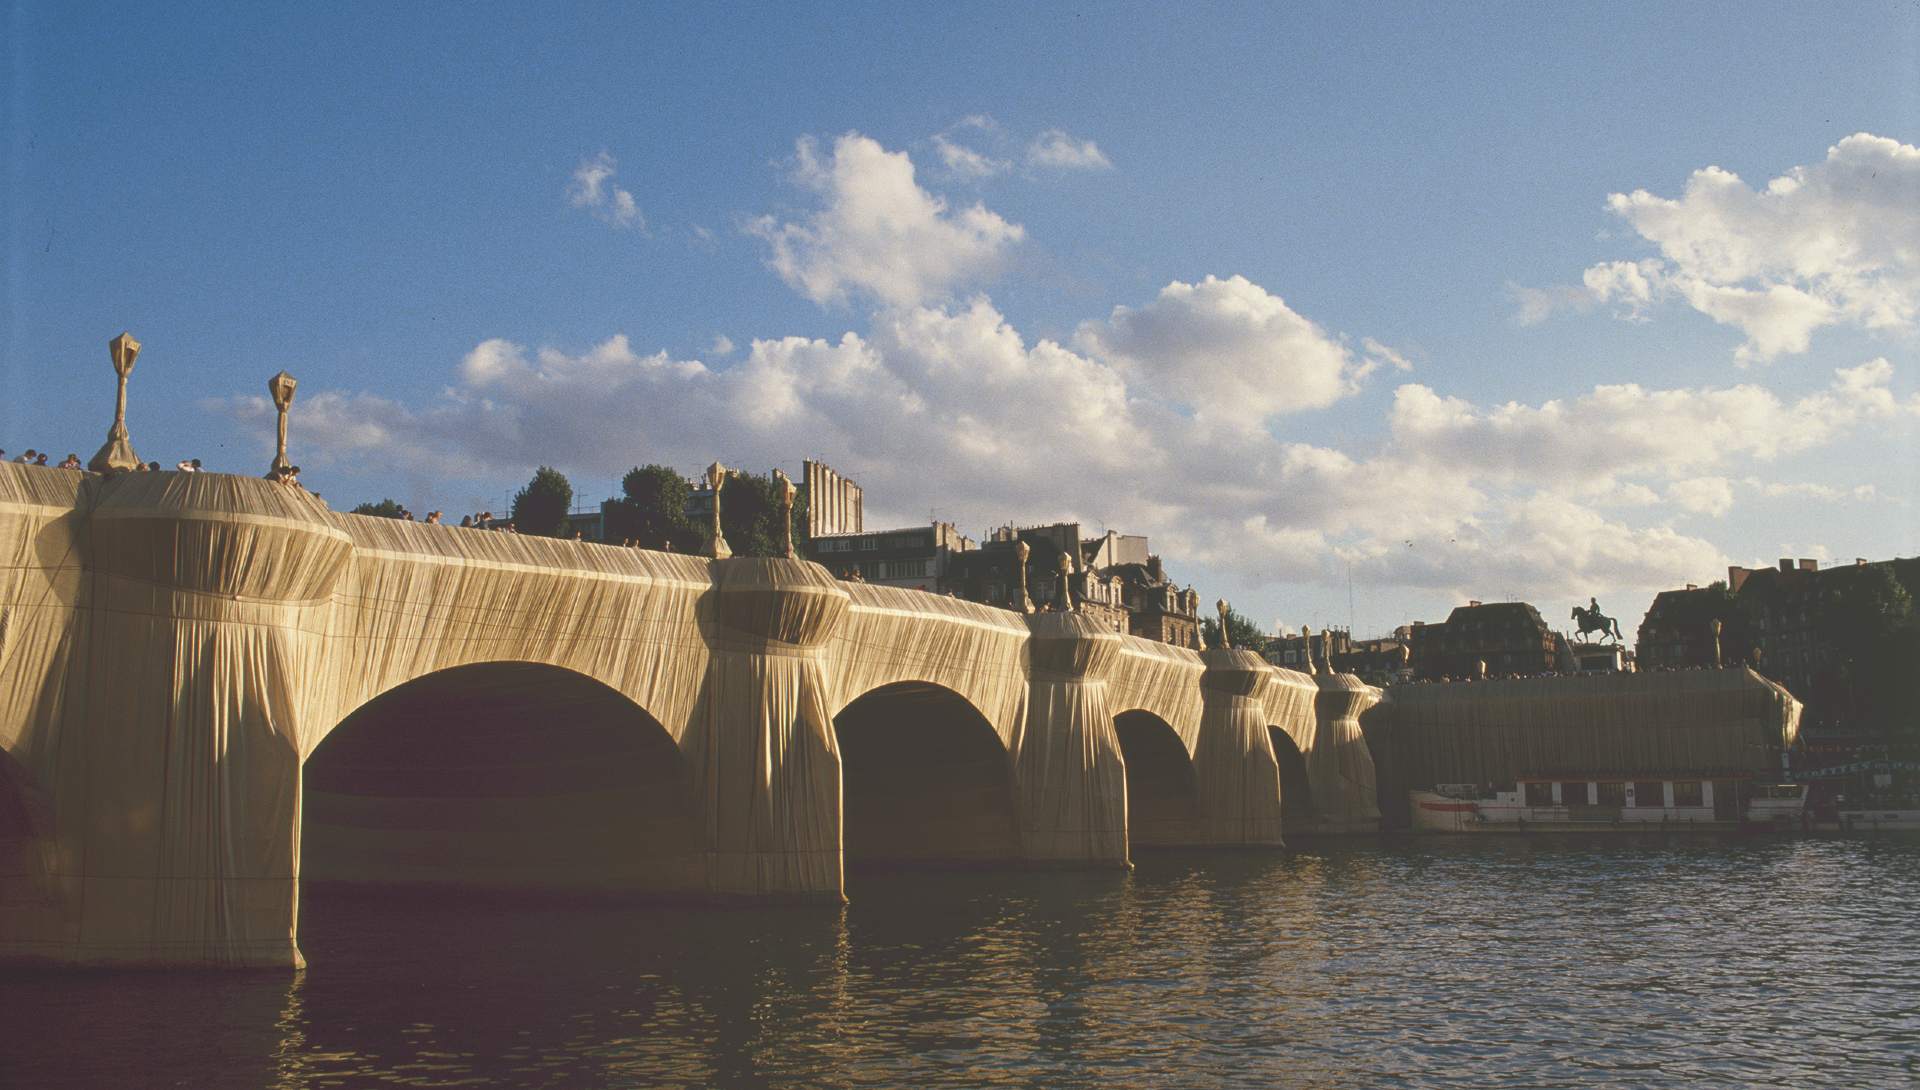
x,y
1463,962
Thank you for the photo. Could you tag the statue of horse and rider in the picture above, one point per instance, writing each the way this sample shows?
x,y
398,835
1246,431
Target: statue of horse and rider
x,y
1592,620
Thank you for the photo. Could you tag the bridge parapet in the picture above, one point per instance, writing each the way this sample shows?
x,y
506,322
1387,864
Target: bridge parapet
x,y
1072,646
782,604
205,533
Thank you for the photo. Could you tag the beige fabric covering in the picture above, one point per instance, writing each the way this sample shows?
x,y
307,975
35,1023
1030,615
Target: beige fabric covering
x,y
174,648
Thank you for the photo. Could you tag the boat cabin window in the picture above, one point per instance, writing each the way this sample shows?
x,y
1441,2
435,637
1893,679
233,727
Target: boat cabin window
x,y
1612,794
1574,793
1649,793
1539,794
1687,793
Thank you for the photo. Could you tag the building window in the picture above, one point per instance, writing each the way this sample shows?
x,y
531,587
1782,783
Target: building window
x,y
1612,794
1687,793
1539,794
1649,793
869,544
1573,793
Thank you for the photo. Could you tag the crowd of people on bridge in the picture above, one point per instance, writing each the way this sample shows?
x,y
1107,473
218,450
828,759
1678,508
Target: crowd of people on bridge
x,y
289,475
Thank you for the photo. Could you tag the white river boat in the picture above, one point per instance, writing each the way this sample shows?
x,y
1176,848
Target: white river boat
x,y
1574,804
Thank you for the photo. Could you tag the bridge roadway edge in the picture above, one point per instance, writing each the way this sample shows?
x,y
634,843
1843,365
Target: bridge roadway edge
x,y
173,647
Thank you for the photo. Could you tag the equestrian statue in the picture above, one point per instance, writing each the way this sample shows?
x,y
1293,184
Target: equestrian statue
x,y
1592,620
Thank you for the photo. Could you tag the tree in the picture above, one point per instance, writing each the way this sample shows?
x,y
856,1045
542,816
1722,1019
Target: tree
x,y
1246,635
750,515
1866,615
653,510
542,506
385,509
1859,608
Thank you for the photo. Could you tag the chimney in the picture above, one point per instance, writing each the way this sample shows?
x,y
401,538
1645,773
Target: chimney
x,y
1809,565
1736,577
1472,602
1786,563
1690,586
1859,561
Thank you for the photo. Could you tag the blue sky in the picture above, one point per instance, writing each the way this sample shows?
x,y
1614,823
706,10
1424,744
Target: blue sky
x,y
1367,259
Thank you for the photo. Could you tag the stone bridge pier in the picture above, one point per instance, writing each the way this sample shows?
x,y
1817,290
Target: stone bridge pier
x,y
212,688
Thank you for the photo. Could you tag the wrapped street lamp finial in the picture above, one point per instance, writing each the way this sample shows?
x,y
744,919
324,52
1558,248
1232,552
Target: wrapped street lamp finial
x,y
717,544
281,387
117,455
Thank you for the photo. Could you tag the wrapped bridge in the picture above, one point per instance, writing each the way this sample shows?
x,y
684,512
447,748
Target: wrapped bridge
x,y
212,685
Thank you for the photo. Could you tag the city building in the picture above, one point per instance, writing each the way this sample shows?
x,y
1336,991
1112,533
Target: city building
x,y
585,523
919,557
1113,577
835,505
1380,661
1784,637
1500,637
1293,653
1677,632
1780,606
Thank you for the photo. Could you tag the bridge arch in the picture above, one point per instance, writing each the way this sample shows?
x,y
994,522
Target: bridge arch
x,y
925,780
507,776
1296,793
1163,790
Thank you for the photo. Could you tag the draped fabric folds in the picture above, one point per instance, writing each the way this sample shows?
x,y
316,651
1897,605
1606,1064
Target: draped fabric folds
x,y
1701,722
1233,754
175,647
1068,771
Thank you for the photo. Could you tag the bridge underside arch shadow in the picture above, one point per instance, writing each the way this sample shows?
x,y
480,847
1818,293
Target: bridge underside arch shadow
x,y
1163,791
508,777
1296,795
925,781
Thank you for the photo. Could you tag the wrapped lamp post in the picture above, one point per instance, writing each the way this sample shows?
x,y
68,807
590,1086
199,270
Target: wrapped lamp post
x,y
717,545
281,386
784,485
117,455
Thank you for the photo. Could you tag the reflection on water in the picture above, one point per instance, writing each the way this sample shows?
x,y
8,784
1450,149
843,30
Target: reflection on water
x,y
1483,963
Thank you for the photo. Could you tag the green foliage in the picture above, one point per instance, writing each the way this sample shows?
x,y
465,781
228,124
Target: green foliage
x,y
1246,635
1866,615
1696,609
653,511
540,507
750,516
385,509
1860,609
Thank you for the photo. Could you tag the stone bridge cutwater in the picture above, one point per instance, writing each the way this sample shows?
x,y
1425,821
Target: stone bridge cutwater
x,y
212,685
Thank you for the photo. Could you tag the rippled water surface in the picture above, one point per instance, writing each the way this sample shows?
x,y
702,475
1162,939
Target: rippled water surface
x,y
1470,962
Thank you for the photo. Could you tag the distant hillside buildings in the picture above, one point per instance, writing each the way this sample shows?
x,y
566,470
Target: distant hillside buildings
x,y
1112,577
1769,618
1493,638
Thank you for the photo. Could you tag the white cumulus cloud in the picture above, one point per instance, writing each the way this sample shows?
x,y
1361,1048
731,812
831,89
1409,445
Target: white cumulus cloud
x,y
1228,350
1126,428
592,188
1055,149
1836,242
877,233
965,162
